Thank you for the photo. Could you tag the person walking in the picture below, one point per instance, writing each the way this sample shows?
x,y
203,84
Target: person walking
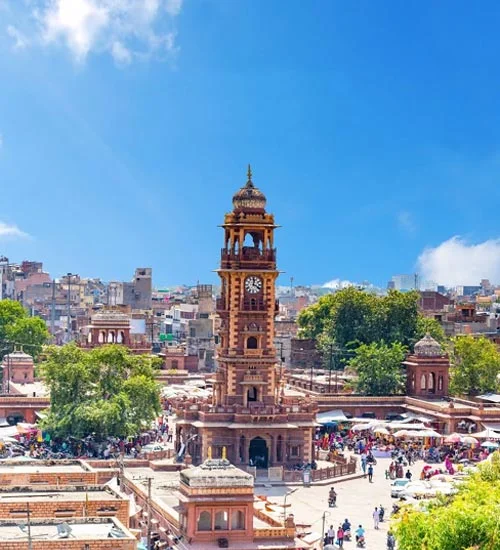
x,y
363,465
376,517
370,473
331,535
340,537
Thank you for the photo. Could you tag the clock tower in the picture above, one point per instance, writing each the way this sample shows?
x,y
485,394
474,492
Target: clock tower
x,y
251,414
247,306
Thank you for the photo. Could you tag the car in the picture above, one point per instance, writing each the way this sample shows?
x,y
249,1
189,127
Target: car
x,y
398,486
153,448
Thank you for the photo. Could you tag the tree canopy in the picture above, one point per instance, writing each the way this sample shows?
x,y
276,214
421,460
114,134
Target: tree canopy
x,y
468,520
351,317
106,391
17,329
475,366
378,368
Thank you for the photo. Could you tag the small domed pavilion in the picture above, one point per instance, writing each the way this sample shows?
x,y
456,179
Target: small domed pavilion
x,y
427,369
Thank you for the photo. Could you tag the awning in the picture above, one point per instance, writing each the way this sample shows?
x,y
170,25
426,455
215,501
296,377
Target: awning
x,y
408,416
492,397
492,426
335,415
3,422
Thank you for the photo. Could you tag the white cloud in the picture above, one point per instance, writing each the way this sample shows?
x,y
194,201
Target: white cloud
x,y
456,262
9,230
120,53
406,222
125,29
337,284
174,7
20,41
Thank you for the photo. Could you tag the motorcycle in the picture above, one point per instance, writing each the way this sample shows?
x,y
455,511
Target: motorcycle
x,y
332,502
347,534
360,542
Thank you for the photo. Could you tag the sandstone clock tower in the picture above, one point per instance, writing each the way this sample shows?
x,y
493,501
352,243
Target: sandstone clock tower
x,y
250,414
247,375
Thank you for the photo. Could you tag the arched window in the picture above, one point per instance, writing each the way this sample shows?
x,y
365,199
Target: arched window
x,y
120,337
221,523
102,337
413,381
237,520
242,448
431,384
89,338
252,394
111,337
252,342
205,521
440,383
279,449
423,382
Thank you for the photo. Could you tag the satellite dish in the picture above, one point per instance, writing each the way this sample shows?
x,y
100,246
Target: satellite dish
x,y
63,531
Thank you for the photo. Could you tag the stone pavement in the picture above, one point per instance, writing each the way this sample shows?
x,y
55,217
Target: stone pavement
x,y
356,500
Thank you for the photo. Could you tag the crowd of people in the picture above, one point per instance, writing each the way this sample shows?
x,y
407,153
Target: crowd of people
x,y
39,445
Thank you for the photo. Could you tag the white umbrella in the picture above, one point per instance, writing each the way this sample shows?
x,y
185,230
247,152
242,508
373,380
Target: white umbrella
x,y
490,444
487,434
430,433
383,431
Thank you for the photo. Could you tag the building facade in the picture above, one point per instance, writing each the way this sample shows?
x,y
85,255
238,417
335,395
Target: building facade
x,y
249,415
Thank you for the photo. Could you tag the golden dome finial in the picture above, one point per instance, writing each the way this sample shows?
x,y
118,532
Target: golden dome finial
x,y
224,455
249,173
209,453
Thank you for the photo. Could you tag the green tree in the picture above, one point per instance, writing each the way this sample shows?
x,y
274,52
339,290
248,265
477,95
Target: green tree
x,y
378,368
17,329
351,317
475,366
106,391
429,325
468,520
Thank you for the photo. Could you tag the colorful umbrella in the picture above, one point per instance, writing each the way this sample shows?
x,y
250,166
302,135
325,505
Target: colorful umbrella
x,y
453,438
469,440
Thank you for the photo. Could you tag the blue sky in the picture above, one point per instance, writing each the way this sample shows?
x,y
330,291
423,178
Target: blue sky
x,y
372,127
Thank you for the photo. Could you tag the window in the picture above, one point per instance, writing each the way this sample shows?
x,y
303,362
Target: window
x,y
423,382
205,521
431,382
237,520
220,523
440,383
175,364
294,450
252,342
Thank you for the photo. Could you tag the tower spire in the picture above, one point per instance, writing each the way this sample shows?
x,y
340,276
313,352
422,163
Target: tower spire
x,y
249,175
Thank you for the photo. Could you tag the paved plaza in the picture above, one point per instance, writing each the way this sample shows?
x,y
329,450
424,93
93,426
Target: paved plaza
x,y
356,500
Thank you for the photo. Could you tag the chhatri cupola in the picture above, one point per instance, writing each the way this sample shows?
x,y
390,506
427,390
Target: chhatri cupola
x,y
427,369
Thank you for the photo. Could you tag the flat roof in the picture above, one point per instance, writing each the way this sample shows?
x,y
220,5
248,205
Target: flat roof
x,y
47,531
56,496
22,468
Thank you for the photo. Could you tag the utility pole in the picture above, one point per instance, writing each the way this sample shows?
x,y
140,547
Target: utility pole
x,y
149,514
28,517
53,309
68,276
330,373
323,530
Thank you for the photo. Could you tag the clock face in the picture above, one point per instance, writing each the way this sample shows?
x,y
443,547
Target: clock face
x,y
253,284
